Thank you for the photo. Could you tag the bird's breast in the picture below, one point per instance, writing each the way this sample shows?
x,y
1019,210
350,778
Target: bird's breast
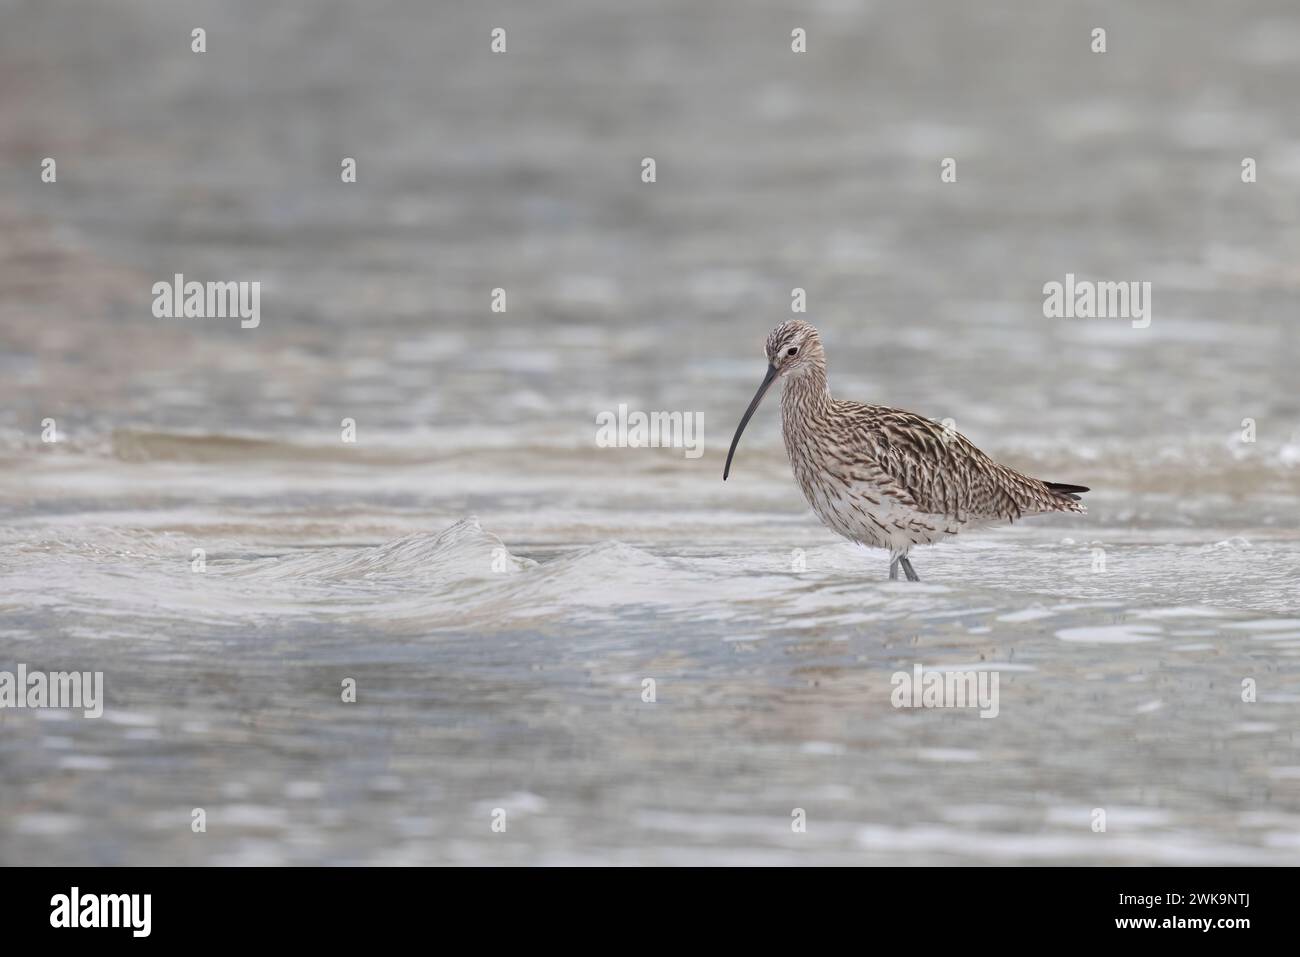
x,y
840,481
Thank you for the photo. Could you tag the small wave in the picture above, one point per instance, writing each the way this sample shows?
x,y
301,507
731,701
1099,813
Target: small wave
x,y
602,576
464,552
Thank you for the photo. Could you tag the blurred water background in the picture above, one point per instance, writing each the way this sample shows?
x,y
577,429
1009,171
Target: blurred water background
x,y
498,585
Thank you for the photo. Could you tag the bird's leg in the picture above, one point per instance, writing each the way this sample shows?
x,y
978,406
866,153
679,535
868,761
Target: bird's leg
x,y
908,570
893,570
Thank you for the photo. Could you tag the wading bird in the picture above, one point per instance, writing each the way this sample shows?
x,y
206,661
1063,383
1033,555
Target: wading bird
x,y
884,477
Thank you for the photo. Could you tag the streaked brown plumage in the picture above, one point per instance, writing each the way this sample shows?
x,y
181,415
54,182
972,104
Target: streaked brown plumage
x,y
885,477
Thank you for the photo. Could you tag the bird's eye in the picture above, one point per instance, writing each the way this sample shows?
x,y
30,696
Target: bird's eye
x,y
791,351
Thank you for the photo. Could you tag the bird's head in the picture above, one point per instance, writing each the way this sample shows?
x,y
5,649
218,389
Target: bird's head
x,y
793,349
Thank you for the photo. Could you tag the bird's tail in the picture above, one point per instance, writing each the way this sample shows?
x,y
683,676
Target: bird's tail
x,y
1069,493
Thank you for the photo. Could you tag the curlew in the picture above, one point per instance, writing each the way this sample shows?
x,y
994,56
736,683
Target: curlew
x,y
884,477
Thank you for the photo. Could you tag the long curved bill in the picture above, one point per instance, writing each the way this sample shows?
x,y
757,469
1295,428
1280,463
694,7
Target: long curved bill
x,y
749,413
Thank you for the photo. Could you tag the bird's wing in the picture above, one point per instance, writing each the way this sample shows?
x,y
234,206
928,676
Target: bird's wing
x,y
937,470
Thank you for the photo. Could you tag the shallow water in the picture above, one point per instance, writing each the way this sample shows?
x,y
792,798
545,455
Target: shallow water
x,y
497,585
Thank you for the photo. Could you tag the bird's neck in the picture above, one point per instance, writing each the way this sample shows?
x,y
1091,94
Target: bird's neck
x,y
805,394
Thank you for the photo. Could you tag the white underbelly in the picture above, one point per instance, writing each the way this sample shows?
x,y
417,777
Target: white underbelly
x,y
866,514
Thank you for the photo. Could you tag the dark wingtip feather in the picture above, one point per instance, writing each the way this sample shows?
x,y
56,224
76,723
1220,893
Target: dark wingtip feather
x,y
1067,491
